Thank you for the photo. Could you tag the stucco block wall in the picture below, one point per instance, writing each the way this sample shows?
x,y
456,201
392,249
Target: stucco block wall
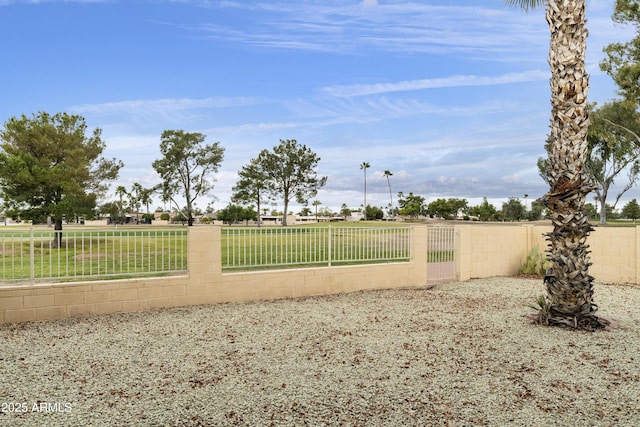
x,y
481,251
497,250
500,250
204,284
491,250
19,303
614,253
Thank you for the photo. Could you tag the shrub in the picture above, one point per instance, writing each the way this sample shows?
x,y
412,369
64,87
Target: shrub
x,y
536,263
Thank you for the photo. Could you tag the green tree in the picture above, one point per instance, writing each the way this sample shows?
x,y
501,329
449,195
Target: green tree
x,y
364,166
513,210
121,192
446,208
631,210
305,211
458,206
136,196
112,209
290,170
591,210
622,62
186,166
145,196
536,212
49,167
252,186
612,149
613,140
569,300
612,213
484,211
372,213
411,205
235,213
345,212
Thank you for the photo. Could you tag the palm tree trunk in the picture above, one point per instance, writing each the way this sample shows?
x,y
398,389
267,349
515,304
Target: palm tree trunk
x,y
569,285
57,234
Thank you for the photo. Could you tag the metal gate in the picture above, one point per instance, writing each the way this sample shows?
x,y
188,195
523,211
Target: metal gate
x,y
441,253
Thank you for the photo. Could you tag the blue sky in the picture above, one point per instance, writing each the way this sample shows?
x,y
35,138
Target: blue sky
x,y
451,96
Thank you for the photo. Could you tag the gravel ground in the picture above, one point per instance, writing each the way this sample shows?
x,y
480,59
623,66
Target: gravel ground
x,y
459,354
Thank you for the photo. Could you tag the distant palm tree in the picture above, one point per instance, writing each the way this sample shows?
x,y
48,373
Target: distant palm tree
x,y
136,194
364,166
387,174
145,196
317,203
569,300
121,191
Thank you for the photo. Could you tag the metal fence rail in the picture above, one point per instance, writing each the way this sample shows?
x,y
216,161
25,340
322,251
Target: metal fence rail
x,y
253,248
31,255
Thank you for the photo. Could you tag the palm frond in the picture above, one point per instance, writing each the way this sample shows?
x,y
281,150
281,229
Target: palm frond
x,y
526,4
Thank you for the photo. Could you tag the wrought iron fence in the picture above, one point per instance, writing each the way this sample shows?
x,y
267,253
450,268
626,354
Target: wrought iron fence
x,y
254,248
34,255
441,244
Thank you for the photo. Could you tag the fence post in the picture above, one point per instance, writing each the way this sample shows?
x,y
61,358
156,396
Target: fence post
x,y
32,256
329,244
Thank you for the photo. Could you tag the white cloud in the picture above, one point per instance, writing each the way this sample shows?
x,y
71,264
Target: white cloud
x,y
394,26
444,82
166,105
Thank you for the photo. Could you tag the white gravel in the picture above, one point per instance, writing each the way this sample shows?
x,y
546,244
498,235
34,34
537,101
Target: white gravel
x,y
460,354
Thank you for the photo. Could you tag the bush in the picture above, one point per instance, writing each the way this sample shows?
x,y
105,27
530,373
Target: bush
x,y
536,263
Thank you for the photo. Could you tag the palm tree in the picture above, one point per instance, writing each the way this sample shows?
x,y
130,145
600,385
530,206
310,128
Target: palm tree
x,y
136,194
569,299
145,196
121,191
387,174
364,166
317,203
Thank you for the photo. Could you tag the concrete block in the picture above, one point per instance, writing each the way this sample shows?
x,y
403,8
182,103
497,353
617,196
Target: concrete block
x,y
11,303
22,315
69,299
107,307
80,310
97,296
124,294
170,291
37,301
147,293
51,313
